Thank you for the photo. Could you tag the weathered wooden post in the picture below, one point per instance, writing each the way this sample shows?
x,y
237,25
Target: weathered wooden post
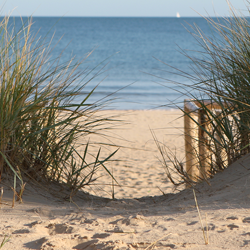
x,y
191,139
204,152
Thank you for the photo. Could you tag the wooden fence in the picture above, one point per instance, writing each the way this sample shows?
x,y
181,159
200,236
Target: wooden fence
x,y
198,156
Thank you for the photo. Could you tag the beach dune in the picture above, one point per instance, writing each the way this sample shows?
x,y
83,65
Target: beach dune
x,y
140,217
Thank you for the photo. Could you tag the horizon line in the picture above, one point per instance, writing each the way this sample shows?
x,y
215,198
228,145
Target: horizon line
x,y
119,16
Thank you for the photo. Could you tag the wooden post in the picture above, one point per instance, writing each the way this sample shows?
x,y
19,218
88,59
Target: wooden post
x,y
191,139
220,153
204,152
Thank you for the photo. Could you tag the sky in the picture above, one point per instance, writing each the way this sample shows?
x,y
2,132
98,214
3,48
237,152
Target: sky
x,y
137,8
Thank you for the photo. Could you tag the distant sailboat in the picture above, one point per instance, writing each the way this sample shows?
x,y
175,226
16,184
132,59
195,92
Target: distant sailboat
x,y
178,15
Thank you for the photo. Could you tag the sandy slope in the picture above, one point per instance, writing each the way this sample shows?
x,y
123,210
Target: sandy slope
x,y
49,221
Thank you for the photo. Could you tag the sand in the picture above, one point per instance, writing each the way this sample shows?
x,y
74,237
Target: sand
x,y
136,165
140,215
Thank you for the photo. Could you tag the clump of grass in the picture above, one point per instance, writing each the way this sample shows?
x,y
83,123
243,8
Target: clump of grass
x,y
42,127
221,75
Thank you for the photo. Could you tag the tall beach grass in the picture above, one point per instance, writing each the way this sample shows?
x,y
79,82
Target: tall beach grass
x,y
42,126
221,81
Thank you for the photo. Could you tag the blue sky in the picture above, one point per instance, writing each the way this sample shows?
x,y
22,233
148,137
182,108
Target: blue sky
x,y
119,7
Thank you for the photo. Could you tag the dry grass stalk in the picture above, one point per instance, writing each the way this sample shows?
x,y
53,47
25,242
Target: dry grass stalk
x,y
20,193
202,227
113,186
4,241
152,245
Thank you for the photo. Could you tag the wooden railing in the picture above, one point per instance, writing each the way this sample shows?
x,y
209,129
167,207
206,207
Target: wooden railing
x,y
198,156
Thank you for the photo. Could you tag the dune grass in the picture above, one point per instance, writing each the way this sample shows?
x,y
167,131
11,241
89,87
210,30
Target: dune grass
x,y
221,76
42,127
4,241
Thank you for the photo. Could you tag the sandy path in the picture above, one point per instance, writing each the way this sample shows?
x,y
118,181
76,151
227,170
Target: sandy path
x,y
138,170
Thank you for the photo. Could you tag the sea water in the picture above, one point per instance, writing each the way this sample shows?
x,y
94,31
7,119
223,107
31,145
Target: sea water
x,y
133,60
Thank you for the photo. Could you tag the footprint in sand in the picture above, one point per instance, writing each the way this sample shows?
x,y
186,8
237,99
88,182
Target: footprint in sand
x,y
100,236
21,231
211,227
221,231
32,224
93,222
172,246
74,242
246,220
246,243
170,219
36,244
136,220
232,218
246,234
232,226
191,223
59,229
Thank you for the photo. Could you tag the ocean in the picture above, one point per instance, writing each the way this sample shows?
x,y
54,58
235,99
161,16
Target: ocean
x,y
134,59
